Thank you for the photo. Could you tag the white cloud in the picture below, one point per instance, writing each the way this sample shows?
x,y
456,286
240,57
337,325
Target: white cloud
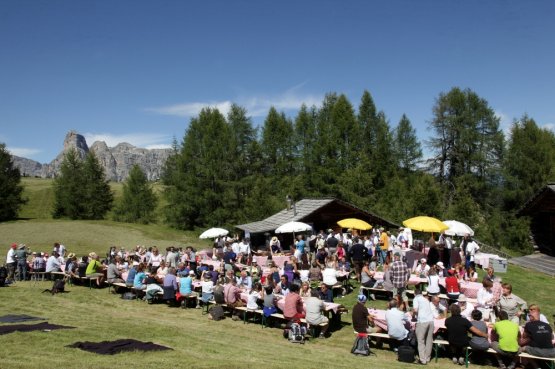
x,y
160,146
144,140
505,123
256,106
550,126
24,152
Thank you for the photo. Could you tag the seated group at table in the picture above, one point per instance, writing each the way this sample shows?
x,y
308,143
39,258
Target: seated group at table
x,y
492,323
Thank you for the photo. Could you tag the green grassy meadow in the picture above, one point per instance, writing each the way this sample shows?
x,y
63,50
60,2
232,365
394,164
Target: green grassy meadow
x,y
196,342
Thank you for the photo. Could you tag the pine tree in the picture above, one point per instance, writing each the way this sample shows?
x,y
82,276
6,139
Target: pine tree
x,y
69,188
529,163
11,190
99,197
138,203
81,190
407,146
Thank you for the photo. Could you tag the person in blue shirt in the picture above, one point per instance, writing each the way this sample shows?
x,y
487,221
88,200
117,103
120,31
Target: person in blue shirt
x,y
140,277
182,270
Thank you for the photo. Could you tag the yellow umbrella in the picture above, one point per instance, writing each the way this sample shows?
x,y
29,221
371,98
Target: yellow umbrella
x,y
354,224
425,224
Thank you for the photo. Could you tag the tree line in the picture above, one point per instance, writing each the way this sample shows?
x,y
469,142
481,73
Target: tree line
x,y
225,171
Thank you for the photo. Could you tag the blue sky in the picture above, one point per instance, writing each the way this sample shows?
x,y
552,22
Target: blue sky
x,y
136,71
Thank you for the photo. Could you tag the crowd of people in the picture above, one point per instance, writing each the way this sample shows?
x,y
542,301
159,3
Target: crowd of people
x,y
304,284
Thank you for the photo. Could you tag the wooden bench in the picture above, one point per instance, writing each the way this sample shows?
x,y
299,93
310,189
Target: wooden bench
x,y
116,284
549,360
371,290
246,312
438,343
35,276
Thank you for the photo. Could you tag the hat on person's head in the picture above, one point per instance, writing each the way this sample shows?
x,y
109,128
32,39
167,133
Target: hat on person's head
x,y
423,260
361,298
71,255
34,252
274,239
462,298
451,271
440,265
21,246
92,255
14,245
191,272
397,254
330,230
313,237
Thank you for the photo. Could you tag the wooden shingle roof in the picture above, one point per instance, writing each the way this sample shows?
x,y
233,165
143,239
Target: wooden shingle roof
x,y
324,211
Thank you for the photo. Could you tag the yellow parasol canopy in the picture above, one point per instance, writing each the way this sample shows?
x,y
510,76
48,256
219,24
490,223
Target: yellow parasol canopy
x,y
354,224
425,224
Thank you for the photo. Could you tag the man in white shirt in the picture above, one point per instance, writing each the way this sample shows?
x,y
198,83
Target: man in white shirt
x,y
471,249
422,269
396,322
422,308
466,307
53,263
11,262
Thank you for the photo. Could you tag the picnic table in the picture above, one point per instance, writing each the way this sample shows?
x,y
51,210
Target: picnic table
x,y
380,321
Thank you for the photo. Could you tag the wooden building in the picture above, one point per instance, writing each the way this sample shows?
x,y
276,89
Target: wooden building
x,y
322,214
541,210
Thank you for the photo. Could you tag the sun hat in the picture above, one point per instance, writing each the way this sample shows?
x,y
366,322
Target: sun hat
x,y
423,260
70,255
361,298
21,246
440,265
92,255
274,239
462,298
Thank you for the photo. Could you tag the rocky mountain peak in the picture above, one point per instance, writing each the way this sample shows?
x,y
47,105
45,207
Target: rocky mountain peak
x,y
116,161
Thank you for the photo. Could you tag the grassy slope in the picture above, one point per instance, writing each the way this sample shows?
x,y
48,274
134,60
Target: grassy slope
x,y
196,341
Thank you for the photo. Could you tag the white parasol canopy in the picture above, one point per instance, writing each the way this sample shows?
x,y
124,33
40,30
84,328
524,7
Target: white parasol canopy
x,y
293,227
213,233
457,228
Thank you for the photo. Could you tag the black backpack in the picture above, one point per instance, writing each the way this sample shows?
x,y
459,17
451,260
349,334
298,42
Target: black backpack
x,y
59,286
361,346
216,312
406,354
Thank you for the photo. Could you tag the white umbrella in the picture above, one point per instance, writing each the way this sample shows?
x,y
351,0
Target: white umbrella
x,y
457,228
213,233
293,227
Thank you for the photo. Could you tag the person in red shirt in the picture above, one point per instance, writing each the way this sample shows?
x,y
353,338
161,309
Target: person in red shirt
x,y
452,285
293,309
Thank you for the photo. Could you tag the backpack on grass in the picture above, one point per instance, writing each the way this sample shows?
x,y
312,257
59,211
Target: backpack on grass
x,y
361,346
58,287
296,333
406,354
216,312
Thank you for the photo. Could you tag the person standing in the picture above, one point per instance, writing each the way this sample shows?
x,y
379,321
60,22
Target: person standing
x,y
21,257
11,263
399,274
424,326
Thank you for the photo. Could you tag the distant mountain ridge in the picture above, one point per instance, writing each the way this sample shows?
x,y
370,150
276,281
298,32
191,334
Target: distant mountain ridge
x,y
117,161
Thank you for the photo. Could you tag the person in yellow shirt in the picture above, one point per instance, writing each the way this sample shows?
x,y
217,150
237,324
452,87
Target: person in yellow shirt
x,y
384,242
